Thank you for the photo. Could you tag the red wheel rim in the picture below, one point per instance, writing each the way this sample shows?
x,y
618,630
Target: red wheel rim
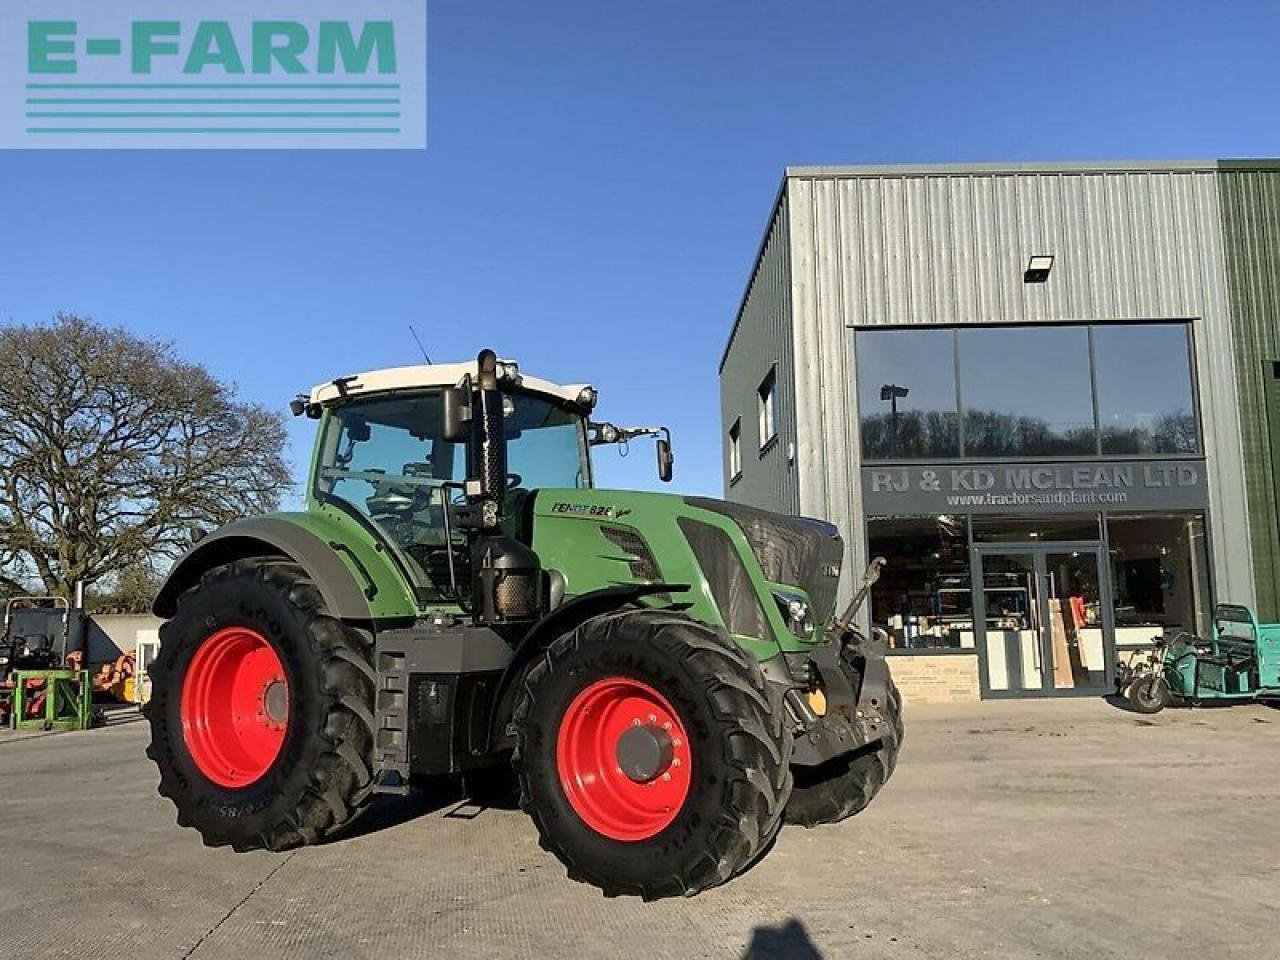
x,y
619,720
235,706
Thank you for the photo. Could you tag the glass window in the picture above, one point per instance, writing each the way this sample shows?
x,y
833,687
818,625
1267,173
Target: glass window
x,y
1145,400
382,456
907,394
735,449
994,529
546,444
1026,391
1159,576
767,395
923,597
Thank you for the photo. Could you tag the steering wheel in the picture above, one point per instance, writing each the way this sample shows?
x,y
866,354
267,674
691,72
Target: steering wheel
x,y
514,480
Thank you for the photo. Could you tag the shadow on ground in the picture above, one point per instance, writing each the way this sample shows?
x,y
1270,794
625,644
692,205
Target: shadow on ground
x,y
790,941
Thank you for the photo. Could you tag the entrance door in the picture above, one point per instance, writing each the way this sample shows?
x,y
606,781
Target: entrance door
x,y
1042,617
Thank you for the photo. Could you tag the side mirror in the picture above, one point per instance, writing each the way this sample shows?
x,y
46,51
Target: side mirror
x,y
666,460
455,414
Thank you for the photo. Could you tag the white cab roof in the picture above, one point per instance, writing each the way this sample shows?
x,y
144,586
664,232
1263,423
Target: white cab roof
x,y
429,375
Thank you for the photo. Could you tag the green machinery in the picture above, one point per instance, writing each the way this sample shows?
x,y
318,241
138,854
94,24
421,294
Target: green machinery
x,y
1241,662
37,690
52,700
661,679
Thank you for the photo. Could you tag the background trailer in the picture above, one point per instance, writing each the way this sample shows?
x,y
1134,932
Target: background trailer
x,y
1049,395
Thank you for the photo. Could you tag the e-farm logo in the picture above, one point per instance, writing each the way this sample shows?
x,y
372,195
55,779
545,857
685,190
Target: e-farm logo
x,y
218,73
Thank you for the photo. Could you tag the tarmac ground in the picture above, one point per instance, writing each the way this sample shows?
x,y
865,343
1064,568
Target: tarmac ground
x,y
1063,828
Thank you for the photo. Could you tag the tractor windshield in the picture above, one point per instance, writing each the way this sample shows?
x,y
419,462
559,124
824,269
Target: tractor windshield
x,y
383,458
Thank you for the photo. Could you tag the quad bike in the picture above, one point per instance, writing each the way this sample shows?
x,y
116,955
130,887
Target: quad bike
x,y
662,676
1240,663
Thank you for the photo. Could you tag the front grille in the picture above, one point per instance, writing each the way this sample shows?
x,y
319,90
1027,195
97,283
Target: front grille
x,y
798,551
731,588
639,557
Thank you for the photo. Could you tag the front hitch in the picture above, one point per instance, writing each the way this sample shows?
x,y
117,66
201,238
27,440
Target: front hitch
x,y
854,684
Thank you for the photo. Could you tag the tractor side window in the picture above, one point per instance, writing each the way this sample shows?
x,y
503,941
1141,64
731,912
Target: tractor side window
x,y
546,445
383,458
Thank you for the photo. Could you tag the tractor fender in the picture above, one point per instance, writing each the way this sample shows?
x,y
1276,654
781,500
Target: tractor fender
x,y
558,622
265,536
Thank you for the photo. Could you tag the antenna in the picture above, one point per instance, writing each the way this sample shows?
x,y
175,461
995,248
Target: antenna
x,y
418,341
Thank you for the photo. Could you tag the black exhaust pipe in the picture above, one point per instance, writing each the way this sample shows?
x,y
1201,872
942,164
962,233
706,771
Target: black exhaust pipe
x,y
506,574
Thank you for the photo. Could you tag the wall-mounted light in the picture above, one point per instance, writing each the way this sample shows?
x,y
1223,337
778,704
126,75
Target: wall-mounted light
x,y
1038,268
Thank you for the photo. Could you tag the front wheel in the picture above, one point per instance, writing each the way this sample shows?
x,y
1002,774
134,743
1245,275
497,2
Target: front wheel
x,y
1149,695
651,754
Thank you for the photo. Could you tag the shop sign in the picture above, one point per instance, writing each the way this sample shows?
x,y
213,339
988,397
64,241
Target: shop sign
x,y
1035,487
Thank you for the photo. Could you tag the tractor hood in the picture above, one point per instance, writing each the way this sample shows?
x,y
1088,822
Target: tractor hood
x,y
660,537
799,551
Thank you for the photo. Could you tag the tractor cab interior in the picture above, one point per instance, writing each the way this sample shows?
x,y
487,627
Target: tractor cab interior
x,y
384,459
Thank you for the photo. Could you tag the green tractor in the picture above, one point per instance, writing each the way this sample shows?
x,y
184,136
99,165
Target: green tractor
x,y
662,677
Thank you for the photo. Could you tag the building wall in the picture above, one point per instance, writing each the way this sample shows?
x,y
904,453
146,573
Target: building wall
x,y
763,337
888,246
113,634
940,678
1251,222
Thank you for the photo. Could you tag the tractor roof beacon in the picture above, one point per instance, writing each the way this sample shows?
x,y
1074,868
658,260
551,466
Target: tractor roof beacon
x,y
662,678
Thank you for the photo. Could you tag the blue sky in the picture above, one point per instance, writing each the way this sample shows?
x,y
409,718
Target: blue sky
x,y
597,181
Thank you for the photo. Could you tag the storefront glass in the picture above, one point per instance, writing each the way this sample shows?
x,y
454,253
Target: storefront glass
x,y
1146,404
1159,575
907,395
922,599
1026,391
1080,526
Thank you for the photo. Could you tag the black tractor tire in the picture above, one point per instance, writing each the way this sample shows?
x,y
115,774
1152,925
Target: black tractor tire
x,y
320,780
1149,694
739,747
844,786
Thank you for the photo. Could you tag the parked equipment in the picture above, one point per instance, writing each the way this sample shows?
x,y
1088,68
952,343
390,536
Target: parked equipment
x,y
37,634
662,674
1240,663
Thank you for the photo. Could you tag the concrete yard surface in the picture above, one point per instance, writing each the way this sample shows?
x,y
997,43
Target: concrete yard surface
x,y
1046,829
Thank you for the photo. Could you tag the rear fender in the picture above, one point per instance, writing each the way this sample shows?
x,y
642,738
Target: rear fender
x,y
347,595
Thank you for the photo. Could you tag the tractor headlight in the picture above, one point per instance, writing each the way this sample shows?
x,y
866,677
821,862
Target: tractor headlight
x,y
795,610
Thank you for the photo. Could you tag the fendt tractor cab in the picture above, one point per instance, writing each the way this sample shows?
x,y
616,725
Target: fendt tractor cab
x,y
663,675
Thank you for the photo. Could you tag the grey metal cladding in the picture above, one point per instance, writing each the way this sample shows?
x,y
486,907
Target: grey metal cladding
x,y
760,339
884,246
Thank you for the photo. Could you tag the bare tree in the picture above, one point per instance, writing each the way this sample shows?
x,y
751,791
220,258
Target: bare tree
x,y
112,449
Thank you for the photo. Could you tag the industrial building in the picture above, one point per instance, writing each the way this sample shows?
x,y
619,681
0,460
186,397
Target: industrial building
x,y
1048,395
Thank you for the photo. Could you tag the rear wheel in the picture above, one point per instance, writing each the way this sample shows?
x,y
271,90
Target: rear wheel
x,y
1149,695
261,710
842,787
651,754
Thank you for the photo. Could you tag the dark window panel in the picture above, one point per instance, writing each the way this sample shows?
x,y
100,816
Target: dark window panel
x,y
1026,392
923,599
907,394
1145,400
